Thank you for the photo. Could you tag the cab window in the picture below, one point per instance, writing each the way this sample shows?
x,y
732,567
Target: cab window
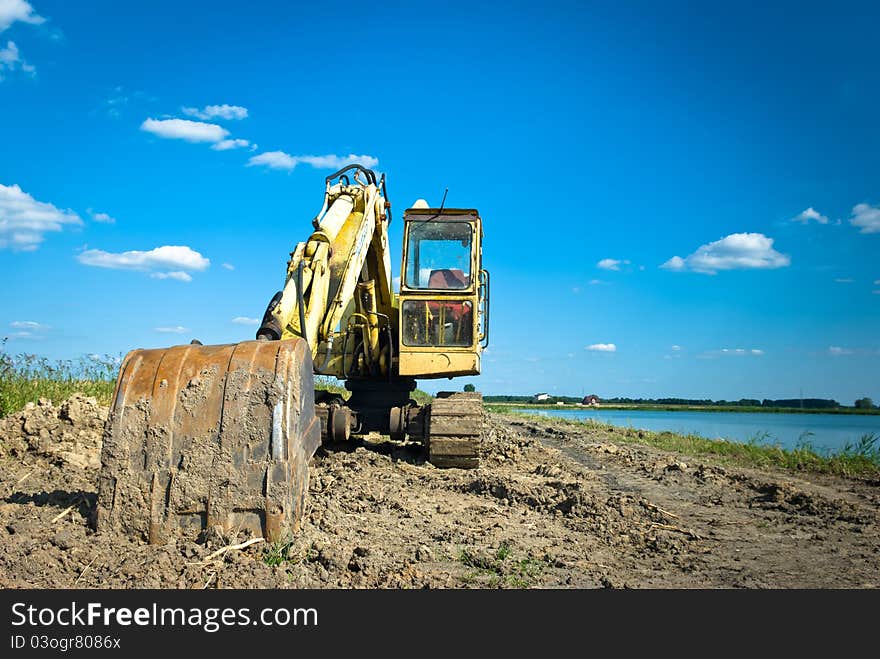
x,y
438,255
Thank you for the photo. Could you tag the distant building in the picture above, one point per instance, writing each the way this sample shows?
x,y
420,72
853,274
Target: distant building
x,y
539,397
592,399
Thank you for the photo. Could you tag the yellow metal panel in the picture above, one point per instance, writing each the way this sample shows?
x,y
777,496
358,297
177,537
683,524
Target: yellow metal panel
x,y
435,364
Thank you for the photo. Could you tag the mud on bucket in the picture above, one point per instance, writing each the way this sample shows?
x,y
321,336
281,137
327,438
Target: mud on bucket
x,y
201,436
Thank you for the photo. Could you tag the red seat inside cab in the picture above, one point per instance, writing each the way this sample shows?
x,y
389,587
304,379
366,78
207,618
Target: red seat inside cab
x,y
449,278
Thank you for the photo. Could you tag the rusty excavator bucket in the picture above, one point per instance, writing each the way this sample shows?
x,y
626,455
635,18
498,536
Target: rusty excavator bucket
x,y
204,436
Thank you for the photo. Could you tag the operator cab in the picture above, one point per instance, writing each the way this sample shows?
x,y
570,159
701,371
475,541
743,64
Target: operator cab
x,y
443,293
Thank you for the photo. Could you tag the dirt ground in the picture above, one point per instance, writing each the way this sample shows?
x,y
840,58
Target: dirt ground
x,y
553,505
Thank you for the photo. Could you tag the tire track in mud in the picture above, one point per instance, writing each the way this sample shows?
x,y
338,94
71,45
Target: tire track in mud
x,y
556,439
762,528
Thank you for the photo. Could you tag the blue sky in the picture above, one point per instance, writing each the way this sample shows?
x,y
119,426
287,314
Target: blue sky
x,y
678,200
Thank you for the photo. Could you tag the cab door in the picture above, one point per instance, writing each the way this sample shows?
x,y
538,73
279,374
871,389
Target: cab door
x,y
442,316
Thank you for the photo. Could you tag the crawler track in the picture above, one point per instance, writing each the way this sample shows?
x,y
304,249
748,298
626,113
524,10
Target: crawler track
x,y
455,423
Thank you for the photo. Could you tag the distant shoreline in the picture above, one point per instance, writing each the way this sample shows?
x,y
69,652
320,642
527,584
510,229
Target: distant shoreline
x,y
689,408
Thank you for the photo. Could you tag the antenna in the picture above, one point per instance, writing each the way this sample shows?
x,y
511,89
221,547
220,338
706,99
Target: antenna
x,y
439,212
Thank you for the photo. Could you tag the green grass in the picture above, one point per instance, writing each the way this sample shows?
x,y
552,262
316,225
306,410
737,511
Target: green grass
x,y
860,458
421,397
284,551
331,384
334,386
278,553
25,378
500,569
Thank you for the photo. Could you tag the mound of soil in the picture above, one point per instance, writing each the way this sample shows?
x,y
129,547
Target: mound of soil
x,y
66,435
552,505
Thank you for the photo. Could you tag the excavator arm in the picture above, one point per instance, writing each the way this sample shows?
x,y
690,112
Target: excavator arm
x,y
339,277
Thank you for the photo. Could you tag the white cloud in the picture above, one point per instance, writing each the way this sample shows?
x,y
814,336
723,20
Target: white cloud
x,y
184,129
244,320
866,217
228,266
120,98
226,145
17,10
282,160
23,335
844,280
273,160
675,348
179,275
733,352
167,262
738,251
104,218
611,264
337,162
594,282
28,325
213,111
675,263
602,347
811,213
24,220
27,330
117,99
9,55
177,329
836,351
11,60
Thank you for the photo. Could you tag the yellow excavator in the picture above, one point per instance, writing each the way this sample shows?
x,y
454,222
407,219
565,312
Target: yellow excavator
x,y
204,436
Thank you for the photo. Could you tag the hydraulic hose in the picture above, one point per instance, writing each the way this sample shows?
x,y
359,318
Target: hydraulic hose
x,y
323,366
270,329
390,341
299,301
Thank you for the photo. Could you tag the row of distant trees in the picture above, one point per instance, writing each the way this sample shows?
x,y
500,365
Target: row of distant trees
x,y
528,399
807,403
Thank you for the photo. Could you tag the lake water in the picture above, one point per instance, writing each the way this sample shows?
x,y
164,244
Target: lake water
x,y
824,431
